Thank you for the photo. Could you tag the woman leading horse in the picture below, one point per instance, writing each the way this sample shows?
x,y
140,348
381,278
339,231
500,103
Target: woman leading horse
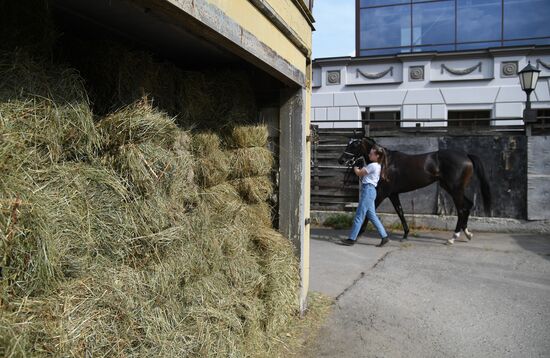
x,y
452,169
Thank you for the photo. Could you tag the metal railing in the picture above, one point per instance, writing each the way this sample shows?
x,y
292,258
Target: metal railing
x,y
463,126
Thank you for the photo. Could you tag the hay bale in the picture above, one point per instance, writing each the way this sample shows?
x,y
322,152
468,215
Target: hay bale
x,y
251,162
146,167
247,136
212,164
281,268
45,108
68,213
183,189
137,123
26,77
254,190
222,199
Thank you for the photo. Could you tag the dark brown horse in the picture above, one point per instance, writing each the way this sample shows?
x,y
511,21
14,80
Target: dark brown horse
x,y
452,169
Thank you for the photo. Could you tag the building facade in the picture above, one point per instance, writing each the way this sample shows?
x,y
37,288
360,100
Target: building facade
x,y
435,63
426,66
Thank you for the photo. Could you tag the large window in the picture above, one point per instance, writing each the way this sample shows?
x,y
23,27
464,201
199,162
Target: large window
x,y
386,27
479,20
433,23
394,26
469,119
382,120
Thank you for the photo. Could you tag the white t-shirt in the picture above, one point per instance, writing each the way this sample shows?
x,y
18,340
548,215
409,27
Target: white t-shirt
x,y
373,174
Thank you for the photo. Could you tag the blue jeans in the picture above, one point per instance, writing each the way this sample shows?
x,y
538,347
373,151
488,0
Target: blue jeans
x,y
366,208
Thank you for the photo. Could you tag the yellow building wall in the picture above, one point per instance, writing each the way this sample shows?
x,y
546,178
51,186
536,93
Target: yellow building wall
x,y
251,19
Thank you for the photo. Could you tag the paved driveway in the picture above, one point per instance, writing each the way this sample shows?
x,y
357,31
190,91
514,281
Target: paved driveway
x,y
486,298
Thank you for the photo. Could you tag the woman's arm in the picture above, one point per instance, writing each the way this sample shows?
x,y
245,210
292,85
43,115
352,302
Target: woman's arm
x,y
360,172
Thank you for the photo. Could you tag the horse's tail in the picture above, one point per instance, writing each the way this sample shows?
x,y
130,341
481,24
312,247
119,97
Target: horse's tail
x,y
485,189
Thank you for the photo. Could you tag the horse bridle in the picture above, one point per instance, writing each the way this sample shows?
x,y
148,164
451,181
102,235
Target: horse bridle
x,y
351,162
354,157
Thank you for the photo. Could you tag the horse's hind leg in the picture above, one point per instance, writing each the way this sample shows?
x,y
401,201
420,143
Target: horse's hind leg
x,y
458,199
399,210
468,204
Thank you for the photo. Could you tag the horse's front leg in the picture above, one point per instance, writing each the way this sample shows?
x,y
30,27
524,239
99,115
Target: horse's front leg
x,y
394,198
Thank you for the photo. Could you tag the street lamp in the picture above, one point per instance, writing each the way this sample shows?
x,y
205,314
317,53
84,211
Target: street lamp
x,y
528,78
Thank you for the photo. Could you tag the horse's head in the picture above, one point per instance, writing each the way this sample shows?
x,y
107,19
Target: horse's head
x,y
355,149
351,153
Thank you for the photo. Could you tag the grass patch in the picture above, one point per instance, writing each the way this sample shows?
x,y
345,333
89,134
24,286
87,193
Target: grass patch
x,y
339,221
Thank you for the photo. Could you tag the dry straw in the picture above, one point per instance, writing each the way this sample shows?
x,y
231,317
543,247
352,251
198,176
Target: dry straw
x,y
251,162
213,165
120,236
247,136
254,190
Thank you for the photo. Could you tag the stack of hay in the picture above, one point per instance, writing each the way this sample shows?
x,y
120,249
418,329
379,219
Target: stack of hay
x,y
128,236
251,170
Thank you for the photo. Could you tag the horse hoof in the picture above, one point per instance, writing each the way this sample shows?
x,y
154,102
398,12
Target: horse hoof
x,y
468,234
450,242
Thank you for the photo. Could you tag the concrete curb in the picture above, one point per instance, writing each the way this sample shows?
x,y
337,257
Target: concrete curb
x,y
441,222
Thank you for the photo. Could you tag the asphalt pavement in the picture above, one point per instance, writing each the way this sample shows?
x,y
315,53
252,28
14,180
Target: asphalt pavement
x,y
489,297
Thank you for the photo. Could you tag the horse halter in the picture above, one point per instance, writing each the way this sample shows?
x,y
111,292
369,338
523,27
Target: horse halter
x,y
353,158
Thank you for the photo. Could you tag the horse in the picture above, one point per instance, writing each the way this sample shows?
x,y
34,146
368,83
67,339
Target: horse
x,y
405,172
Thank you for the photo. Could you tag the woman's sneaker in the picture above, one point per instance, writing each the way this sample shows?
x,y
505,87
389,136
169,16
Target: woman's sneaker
x,y
347,242
383,242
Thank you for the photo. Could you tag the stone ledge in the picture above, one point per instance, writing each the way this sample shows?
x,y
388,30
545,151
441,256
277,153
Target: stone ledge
x,y
440,222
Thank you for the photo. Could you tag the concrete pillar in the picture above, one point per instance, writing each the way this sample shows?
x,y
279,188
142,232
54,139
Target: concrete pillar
x,y
292,188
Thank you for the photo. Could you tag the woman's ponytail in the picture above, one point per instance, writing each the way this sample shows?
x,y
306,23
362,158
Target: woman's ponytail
x,y
383,160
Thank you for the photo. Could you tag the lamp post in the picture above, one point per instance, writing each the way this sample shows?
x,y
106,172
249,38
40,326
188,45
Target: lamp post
x,y
528,78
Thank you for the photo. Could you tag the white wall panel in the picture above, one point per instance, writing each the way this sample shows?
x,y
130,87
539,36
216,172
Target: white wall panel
x,y
344,99
350,113
424,111
508,110
542,92
467,95
424,96
409,112
380,98
333,114
320,114
317,77
439,111
511,94
322,100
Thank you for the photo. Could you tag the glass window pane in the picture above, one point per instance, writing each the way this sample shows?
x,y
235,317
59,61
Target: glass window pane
x,y
478,45
365,3
545,41
479,20
440,48
433,23
385,27
385,51
526,18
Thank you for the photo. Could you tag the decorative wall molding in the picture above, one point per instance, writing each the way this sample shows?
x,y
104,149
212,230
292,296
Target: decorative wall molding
x,y
543,64
333,77
509,69
461,72
374,76
416,73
